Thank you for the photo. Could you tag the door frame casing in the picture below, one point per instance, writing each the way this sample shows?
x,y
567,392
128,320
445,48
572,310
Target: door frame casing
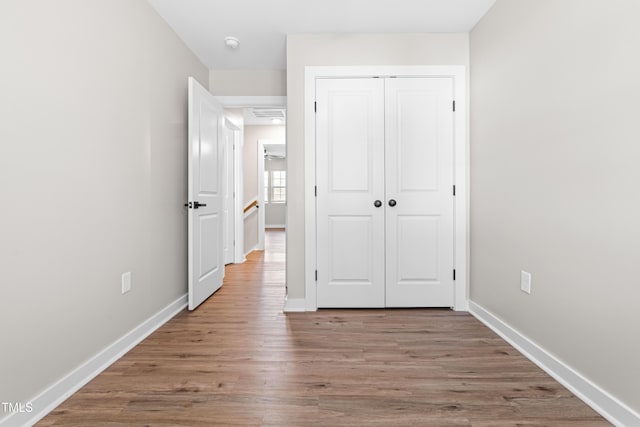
x,y
261,203
460,166
238,228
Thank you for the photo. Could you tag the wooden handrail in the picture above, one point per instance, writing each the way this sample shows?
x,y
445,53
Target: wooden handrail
x,y
251,205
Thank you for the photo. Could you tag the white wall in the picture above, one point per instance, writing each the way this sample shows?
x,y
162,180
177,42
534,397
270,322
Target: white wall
x,y
275,215
555,148
92,180
248,82
252,134
343,49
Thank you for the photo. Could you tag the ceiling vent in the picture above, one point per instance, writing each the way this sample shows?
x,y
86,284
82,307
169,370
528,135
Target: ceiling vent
x,y
261,116
268,113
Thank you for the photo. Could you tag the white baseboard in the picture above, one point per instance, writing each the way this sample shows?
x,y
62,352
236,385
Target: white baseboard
x,y
294,304
601,401
60,391
275,226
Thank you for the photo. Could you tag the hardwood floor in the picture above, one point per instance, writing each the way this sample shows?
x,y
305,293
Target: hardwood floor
x,y
238,360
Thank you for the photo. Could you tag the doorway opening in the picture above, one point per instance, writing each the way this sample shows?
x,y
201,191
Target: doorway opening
x,y
272,187
262,172
225,182
265,186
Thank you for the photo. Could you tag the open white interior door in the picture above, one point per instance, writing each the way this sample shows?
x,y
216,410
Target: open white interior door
x,y
206,263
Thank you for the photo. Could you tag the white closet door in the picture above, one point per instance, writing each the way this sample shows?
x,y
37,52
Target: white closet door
x,y
419,178
350,178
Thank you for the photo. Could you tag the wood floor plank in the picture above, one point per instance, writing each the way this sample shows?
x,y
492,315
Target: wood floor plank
x,y
239,360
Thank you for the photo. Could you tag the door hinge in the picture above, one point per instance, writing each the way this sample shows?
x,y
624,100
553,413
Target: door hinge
x,y
316,275
454,190
454,274
315,190
454,106
315,107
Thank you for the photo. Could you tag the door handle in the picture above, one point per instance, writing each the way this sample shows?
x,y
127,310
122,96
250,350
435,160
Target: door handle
x,y
377,203
392,203
194,205
197,205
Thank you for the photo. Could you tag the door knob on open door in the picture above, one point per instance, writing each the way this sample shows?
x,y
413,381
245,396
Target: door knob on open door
x,y
377,203
392,203
197,205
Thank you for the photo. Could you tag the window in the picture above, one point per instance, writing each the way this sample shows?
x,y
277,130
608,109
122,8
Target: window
x,y
275,186
278,186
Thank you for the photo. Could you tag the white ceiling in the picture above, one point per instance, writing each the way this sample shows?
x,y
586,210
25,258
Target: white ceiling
x,y
262,25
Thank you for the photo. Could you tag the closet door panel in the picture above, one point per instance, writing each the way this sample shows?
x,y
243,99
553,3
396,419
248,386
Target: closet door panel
x,y
349,178
419,179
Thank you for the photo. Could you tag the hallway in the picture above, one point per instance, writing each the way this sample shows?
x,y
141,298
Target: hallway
x,y
238,360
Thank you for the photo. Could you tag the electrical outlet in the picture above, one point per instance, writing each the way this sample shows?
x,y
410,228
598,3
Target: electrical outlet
x,y
525,282
126,282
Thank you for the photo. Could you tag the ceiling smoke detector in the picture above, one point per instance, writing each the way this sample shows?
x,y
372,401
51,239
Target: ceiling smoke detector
x,y
232,42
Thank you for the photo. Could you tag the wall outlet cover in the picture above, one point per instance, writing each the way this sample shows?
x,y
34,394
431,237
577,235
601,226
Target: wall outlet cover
x,y
126,282
525,282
